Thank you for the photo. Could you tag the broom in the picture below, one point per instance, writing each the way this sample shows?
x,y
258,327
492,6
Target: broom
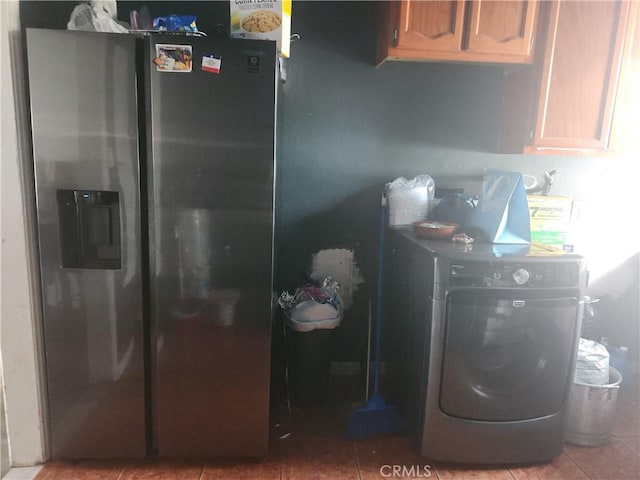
x,y
376,417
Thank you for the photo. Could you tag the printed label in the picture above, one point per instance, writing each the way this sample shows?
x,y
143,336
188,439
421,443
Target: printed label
x,y
211,63
253,64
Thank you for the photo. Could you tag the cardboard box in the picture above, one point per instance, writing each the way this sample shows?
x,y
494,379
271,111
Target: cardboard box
x,y
262,20
550,218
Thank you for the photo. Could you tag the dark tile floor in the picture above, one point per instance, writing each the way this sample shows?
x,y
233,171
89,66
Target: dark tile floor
x,y
316,450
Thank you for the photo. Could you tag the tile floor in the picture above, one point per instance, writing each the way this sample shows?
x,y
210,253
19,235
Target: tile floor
x,y
315,450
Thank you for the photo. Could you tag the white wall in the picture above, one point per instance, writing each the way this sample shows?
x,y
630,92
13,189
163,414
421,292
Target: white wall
x,y
5,463
19,336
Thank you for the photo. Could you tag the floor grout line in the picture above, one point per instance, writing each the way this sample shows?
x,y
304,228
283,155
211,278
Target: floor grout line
x,y
574,461
121,472
355,455
435,469
281,452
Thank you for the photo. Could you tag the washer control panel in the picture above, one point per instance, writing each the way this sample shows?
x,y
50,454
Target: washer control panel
x,y
489,274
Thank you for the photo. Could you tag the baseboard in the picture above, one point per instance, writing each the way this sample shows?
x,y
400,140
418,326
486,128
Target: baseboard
x,y
23,473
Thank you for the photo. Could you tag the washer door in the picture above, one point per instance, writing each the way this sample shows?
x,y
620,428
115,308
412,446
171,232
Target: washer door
x,y
507,354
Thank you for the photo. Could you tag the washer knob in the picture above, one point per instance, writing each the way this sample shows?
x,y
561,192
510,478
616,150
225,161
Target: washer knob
x,y
521,276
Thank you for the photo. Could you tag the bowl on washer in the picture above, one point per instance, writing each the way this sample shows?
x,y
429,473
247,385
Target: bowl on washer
x,y
435,230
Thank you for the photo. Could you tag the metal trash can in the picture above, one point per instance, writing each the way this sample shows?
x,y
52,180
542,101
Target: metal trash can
x,y
591,409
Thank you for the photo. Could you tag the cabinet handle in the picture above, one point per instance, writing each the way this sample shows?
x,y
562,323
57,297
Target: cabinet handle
x,y
395,37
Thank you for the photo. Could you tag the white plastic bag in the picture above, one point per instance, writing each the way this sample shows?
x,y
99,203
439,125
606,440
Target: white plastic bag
x,y
313,308
310,315
592,364
97,17
409,200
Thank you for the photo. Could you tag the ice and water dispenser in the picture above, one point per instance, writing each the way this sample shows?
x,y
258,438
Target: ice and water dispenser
x,y
90,229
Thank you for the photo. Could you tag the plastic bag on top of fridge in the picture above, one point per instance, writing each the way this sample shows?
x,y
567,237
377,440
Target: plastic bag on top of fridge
x,y
99,16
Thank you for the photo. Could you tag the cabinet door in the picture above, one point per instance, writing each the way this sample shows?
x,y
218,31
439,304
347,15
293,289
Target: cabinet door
x,y
501,27
626,116
431,25
580,75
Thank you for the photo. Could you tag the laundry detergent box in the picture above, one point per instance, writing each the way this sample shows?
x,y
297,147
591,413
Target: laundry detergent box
x,y
550,219
262,20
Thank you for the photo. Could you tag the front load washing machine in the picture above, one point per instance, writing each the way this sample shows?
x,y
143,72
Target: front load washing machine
x,y
481,343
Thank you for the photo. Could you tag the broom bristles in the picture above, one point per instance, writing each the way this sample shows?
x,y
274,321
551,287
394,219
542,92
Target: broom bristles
x,y
375,418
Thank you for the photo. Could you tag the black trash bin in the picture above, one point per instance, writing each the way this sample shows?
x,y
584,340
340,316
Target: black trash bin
x,y
309,344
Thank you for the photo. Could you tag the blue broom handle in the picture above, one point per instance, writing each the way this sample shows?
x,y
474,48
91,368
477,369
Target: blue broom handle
x,y
383,219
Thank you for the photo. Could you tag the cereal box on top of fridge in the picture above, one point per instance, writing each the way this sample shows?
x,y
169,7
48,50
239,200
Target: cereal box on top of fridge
x,y
262,20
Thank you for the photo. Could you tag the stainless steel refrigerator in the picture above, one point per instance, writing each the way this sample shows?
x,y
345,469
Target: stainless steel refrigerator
x,y
154,171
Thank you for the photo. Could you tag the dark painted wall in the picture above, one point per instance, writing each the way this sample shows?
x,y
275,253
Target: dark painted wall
x,y
347,127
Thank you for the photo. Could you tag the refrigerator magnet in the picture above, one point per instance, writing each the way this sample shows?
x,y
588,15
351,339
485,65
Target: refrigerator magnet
x,y
173,58
211,63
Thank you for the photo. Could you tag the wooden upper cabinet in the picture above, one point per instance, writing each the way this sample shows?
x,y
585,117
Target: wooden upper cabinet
x,y
626,113
505,27
431,25
580,74
458,30
581,97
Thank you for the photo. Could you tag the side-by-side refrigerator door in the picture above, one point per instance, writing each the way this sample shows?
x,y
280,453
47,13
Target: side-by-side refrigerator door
x,y
212,116
85,144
